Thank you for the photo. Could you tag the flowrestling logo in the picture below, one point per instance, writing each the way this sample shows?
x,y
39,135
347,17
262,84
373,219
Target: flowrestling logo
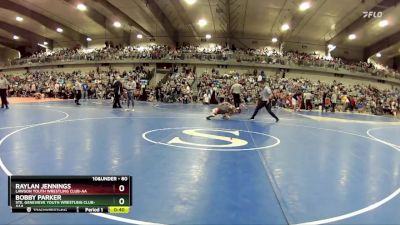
x,y
212,139
372,14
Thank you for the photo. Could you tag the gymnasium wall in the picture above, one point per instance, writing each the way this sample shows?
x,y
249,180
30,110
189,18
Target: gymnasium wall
x,y
82,68
396,62
232,69
66,68
201,68
259,43
147,40
328,78
390,62
310,48
121,67
314,76
15,72
6,54
347,52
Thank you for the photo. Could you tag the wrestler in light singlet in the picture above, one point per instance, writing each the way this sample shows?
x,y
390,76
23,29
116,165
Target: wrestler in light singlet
x,y
225,109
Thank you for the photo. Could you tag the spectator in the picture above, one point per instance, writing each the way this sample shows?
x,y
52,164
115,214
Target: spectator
x,y
4,85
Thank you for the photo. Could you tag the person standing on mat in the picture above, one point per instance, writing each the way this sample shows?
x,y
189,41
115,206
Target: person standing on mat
x,y
333,100
265,101
296,101
324,95
117,93
85,90
4,84
78,91
236,90
130,87
213,99
308,96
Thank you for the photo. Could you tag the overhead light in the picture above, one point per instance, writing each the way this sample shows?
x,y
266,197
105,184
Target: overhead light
x,y
19,19
352,36
208,36
59,30
285,27
81,7
331,47
202,22
43,46
88,39
190,2
45,43
15,37
383,23
117,24
378,54
139,36
274,39
304,6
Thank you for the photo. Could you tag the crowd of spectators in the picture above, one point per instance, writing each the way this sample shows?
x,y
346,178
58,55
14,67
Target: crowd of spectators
x,y
214,52
51,84
97,54
214,88
177,87
210,88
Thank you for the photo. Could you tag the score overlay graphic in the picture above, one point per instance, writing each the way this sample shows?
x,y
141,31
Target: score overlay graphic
x,y
75,194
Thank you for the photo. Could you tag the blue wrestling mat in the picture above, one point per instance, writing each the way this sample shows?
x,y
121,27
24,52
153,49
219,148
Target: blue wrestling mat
x,y
310,168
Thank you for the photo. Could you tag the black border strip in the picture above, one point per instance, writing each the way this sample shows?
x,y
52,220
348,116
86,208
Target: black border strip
x,y
9,190
130,190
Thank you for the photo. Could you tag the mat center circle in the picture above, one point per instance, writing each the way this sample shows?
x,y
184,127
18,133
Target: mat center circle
x,y
211,139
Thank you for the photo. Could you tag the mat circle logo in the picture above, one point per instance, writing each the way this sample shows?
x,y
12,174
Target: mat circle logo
x,y
212,139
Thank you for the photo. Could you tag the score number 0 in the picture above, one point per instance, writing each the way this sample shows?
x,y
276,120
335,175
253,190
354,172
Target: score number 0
x,y
121,188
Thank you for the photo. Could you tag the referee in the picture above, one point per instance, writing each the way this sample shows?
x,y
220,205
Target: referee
x,y
117,92
265,101
3,90
236,90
